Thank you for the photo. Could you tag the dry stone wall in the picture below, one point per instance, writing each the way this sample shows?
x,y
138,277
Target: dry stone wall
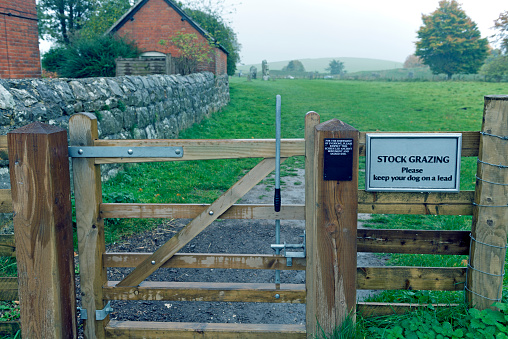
x,y
129,107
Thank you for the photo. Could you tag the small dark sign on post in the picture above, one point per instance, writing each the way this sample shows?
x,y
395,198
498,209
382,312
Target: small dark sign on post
x,y
338,159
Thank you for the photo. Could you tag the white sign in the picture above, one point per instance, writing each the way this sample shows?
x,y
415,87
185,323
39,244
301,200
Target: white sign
x,y
413,162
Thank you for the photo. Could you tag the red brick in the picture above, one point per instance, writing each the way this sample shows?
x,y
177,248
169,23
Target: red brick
x,y
19,44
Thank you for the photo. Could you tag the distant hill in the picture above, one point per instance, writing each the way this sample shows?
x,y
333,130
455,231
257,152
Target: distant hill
x,y
319,65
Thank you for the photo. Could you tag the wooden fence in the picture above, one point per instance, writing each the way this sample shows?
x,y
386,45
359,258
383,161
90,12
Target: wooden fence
x,y
328,305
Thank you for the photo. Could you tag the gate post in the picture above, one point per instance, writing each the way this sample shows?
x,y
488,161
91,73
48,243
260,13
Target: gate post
x,y
41,197
484,284
83,131
331,221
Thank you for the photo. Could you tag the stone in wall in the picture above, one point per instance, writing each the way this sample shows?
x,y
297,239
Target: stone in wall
x,y
129,107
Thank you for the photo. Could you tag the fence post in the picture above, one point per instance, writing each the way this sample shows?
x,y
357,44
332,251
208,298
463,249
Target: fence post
x,y
331,221
40,187
484,284
91,246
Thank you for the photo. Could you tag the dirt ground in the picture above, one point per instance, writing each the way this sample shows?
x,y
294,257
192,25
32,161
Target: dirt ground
x,y
226,236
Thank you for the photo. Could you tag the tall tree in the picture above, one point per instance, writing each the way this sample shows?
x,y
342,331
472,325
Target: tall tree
x,y
501,25
336,67
449,41
103,17
60,19
221,33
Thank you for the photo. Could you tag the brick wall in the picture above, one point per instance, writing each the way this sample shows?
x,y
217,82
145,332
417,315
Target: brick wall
x,y
156,21
19,41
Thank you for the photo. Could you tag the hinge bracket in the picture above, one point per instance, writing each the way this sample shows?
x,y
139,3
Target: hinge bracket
x,y
125,152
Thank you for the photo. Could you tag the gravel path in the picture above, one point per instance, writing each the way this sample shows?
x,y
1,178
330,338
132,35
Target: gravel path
x,y
225,236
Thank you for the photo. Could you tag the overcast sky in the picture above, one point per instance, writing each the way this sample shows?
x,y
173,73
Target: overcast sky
x,y
278,30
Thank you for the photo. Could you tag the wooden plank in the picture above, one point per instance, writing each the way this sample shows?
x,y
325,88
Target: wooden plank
x,y
209,149
90,226
416,203
207,291
413,241
470,141
373,309
206,260
3,141
41,197
183,330
411,278
490,216
332,235
179,240
312,119
9,288
7,245
5,201
369,202
190,211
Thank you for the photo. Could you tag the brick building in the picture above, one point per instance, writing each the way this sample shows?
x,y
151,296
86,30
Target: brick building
x,y
150,21
19,40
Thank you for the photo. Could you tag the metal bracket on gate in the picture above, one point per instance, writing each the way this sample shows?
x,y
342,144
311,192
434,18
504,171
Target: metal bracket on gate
x,y
125,152
99,314
290,255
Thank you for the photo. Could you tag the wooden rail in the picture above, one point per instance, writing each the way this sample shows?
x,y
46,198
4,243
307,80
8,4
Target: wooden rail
x,y
207,149
142,329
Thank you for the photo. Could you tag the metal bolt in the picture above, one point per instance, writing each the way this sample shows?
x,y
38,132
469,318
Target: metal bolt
x,y
80,151
130,152
153,262
177,152
211,212
277,296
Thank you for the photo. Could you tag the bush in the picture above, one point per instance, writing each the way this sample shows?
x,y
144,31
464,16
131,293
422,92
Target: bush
x,y
85,57
52,59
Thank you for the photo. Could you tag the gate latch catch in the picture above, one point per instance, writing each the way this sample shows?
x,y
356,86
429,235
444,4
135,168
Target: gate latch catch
x,y
99,314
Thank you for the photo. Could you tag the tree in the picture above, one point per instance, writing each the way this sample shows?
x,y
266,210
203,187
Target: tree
x,y
103,17
336,67
501,24
294,66
60,19
193,51
449,41
496,66
211,16
412,61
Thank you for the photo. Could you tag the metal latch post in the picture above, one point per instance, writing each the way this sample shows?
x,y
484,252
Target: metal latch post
x,y
290,255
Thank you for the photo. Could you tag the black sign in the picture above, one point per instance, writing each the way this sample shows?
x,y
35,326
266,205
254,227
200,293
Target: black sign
x,y
338,159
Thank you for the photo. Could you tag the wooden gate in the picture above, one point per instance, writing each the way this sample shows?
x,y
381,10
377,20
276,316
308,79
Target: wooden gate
x,y
330,213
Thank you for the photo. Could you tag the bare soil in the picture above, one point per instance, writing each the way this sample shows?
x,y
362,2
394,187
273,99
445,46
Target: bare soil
x,y
226,236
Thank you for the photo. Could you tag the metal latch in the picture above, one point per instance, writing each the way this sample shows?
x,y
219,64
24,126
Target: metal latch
x,y
99,314
125,152
290,255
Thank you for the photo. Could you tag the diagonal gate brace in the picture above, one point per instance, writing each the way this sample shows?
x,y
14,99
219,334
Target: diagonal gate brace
x,y
202,221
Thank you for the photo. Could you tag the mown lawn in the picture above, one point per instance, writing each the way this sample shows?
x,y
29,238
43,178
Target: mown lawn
x,y
368,106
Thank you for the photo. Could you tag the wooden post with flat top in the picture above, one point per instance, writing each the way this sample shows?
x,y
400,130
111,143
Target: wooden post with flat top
x,y
490,212
41,197
331,221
